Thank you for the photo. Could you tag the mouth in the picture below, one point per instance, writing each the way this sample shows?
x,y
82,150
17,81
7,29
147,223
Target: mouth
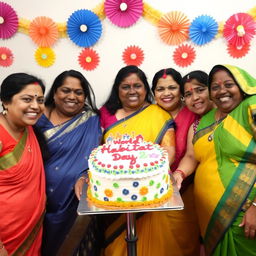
x,y
70,104
32,115
224,99
133,98
167,100
198,105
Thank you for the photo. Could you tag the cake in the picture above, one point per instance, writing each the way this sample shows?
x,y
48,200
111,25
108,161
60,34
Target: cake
x,y
129,172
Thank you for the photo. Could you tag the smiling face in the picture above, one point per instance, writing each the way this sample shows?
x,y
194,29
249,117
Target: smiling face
x,y
167,93
197,97
25,107
69,98
225,92
132,92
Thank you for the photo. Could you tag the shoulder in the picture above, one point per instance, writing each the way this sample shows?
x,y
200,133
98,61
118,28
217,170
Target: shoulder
x,y
207,119
153,108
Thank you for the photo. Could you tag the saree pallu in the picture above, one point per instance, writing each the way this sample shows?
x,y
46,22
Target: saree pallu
x,y
22,197
70,145
154,229
225,178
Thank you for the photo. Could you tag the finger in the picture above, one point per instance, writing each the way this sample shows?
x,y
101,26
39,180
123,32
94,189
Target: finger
x,y
252,233
247,231
242,223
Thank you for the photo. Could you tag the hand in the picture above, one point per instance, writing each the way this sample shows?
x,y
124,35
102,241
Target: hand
x,y
3,252
178,179
79,186
1,145
249,222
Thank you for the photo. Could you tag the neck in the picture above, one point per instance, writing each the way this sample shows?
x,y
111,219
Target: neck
x,y
14,129
175,112
219,115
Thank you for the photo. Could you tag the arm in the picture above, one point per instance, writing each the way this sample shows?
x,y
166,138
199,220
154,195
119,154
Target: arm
x,y
188,163
168,143
3,251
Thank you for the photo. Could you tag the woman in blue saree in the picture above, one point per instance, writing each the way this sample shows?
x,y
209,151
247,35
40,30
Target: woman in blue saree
x,y
71,127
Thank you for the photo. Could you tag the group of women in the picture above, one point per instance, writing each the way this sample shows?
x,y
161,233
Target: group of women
x,y
207,124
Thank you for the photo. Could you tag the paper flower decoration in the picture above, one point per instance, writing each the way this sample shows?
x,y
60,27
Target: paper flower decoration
x,y
8,21
203,29
239,29
88,59
173,28
184,55
123,13
45,57
133,55
62,29
6,57
43,31
84,28
238,51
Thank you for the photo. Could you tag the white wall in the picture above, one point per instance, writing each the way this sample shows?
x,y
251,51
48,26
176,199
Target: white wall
x,y
114,40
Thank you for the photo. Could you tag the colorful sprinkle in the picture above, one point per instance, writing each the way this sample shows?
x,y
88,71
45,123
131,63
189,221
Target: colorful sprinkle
x,y
98,183
144,198
125,191
106,199
134,197
135,184
119,199
156,195
158,185
161,190
95,188
96,195
115,185
143,191
108,192
151,183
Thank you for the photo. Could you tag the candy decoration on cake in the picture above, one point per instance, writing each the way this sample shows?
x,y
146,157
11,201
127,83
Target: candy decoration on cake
x,y
43,31
123,13
203,29
8,21
118,176
84,28
173,28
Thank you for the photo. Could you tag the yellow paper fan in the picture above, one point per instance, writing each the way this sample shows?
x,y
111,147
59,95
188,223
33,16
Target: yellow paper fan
x,y
173,28
62,29
252,12
99,11
151,14
220,29
45,57
24,25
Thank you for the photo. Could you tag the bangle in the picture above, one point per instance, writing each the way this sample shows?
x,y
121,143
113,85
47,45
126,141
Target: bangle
x,y
183,175
254,204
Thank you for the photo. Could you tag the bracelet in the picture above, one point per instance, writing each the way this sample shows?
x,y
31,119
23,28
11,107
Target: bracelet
x,y
254,204
183,175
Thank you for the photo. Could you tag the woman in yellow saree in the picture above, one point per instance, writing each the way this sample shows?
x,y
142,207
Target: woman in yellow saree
x,y
225,147
129,111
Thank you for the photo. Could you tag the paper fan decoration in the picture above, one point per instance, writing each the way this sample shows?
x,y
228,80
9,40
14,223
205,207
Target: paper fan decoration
x,y
45,57
238,51
203,29
123,13
173,28
6,57
88,59
184,55
84,28
239,29
8,21
43,31
133,55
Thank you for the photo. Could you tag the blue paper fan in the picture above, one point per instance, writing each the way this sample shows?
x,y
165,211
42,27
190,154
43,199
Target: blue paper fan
x,y
84,28
203,29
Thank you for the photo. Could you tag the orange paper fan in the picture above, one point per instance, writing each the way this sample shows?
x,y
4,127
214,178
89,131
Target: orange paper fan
x,y
238,51
184,55
88,59
173,28
43,31
133,55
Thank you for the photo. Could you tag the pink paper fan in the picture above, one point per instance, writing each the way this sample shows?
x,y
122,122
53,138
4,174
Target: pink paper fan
x,y
238,51
239,29
123,13
43,31
133,55
8,21
184,55
88,59
6,57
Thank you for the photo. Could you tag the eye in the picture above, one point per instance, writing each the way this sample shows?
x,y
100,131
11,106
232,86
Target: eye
x,y
229,85
200,90
215,87
159,89
27,100
125,87
79,92
137,86
65,90
40,100
187,94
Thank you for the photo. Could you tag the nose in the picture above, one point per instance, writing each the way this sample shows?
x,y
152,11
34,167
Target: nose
x,y
167,92
34,104
132,90
195,96
71,95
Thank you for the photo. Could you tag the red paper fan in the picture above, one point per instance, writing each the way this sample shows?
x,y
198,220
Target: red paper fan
x,y
88,59
238,51
239,29
184,55
133,55
173,28
43,31
6,57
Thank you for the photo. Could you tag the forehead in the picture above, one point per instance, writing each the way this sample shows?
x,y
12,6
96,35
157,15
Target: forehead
x,y
71,82
193,84
31,89
166,81
131,78
221,75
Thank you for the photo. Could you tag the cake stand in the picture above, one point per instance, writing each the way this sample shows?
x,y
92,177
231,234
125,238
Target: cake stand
x,y
173,203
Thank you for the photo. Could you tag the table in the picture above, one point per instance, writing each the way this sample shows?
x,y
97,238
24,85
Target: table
x,y
173,203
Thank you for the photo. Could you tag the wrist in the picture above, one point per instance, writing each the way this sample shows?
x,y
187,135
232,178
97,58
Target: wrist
x,y
182,173
1,245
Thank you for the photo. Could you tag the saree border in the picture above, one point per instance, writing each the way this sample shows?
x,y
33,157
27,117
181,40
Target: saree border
x,y
25,246
232,200
12,158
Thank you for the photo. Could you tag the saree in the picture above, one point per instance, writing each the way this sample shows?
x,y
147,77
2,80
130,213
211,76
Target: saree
x,y
22,196
70,145
225,178
153,228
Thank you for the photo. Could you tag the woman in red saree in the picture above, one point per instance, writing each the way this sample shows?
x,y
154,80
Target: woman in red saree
x,y
22,181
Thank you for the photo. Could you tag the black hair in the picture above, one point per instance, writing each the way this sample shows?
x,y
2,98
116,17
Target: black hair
x,y
113,102
199,75
58,82
168,71
15,83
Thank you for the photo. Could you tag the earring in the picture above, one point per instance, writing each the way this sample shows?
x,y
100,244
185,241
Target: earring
x,y
5,112
182,98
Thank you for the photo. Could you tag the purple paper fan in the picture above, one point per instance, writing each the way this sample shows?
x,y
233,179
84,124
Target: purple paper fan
x,y
8,21
123,13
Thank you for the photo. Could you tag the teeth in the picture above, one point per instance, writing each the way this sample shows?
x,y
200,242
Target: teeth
x,y
71,104
224,99
31,114
133,98
198,105
166,100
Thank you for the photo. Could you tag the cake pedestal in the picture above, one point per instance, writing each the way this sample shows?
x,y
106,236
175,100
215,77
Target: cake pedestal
x,y
173,203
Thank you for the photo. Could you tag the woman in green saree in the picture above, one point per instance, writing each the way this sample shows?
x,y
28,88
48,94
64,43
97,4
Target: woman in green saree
x,y
225,147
